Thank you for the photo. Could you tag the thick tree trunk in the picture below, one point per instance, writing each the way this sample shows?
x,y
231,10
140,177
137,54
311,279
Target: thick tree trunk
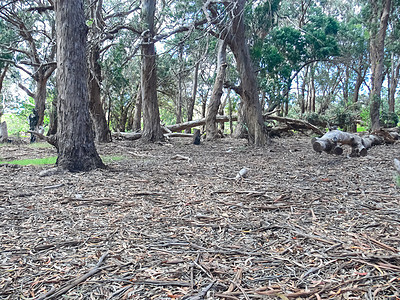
x,y
75,138
252,112
215,101
151,116
377,45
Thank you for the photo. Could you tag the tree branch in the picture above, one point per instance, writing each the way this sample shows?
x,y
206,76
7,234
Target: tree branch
x,y
26,90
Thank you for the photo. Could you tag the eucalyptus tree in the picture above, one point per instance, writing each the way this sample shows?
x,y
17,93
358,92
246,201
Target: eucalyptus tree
x,y
215,101
379,11
227,23
35,49
151,114
75,137
393,56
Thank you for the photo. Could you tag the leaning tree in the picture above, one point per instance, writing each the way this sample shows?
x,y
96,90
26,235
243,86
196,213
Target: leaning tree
x,y
229,26
75,138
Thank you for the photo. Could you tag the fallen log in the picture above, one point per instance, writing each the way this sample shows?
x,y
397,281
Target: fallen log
x,y
295,124
291,124
332,141
201,122
127,135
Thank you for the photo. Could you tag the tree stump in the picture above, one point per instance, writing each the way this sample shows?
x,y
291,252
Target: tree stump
x,y
3,132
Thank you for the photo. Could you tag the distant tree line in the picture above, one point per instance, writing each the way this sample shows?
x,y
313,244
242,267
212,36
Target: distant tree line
x,y
153,62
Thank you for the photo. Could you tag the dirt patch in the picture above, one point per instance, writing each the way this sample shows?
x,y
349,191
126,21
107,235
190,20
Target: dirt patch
x,y
171,221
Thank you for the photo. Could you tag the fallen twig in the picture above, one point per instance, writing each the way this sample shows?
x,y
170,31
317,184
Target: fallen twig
x,y
56,293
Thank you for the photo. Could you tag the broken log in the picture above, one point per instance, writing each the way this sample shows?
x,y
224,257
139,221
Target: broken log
x,y
331,142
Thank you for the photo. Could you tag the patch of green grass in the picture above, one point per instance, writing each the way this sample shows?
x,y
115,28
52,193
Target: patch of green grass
x,y
52,160
110,159
361,129
32,161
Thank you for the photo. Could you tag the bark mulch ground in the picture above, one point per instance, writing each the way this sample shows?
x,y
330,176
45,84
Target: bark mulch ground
x,y
173,221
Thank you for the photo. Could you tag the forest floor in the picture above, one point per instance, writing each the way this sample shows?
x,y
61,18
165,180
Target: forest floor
x,y
171,221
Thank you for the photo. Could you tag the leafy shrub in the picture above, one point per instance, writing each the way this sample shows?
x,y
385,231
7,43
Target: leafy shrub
x,y
316,119
388,119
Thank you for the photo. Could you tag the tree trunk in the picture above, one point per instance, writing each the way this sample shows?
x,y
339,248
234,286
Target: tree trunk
x,y
75,138
394,79
2,76
379,22
215,101
137,116
221,109
252,112
303,104
192,100
311,91
346,85
101,130
53,118
40,98
3,132
179,100
151,116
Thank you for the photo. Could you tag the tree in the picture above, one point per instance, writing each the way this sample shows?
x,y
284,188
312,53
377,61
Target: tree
x,y
102,132
379,16
35,49
215,101
75,138
151,116
234,34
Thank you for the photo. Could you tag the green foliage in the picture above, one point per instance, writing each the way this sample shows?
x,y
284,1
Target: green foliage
x,y
364,115
343,116
316,119
388,119
15,123
361,129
